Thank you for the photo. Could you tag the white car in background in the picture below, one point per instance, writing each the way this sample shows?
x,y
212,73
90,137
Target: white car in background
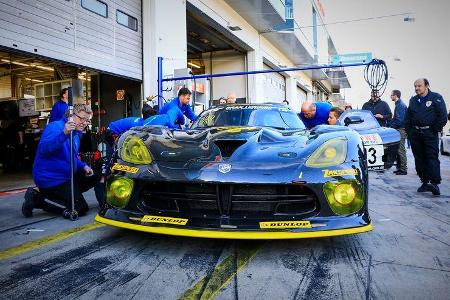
x,y
445,141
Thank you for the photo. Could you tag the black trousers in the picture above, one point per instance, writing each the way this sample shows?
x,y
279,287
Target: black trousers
x,y
425,147
60,195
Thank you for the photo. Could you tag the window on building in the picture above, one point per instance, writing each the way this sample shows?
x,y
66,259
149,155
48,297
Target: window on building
x,y
127,20
98,7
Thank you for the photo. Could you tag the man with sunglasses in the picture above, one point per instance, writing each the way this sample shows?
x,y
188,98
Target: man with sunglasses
x,y
51,169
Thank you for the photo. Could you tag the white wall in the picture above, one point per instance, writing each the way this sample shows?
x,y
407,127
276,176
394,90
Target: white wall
x,y
65,31
164,35
170,41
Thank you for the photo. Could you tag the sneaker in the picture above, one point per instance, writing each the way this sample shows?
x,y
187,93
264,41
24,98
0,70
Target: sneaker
x,y
434,188
28,203
401,173
423,188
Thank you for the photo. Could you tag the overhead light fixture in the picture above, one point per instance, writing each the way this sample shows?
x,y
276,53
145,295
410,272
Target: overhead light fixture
x,y
6,60
194,65
234,28
20,63
44,68
35,80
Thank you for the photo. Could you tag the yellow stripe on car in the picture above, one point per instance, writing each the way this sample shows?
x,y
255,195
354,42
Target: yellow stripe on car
x,y
223,234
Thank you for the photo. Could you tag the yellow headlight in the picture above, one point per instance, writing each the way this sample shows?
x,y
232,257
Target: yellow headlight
x,y
119,191
344,197
134,151
332,152
344,193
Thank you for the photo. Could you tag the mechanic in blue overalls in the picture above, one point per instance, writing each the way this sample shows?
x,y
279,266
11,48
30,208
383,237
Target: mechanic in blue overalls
x,y
425,117
314,114
180,103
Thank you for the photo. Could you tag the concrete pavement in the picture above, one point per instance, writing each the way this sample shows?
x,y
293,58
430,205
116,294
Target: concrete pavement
x,y
407,256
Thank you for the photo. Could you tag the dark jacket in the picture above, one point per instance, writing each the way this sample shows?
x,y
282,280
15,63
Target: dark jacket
x,y
52,163
398,121
379,107
427,111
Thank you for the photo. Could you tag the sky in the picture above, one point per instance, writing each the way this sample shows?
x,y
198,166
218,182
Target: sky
x,y
422,46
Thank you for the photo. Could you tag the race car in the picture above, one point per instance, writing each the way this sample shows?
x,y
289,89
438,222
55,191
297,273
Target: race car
x,y
381,143
242,172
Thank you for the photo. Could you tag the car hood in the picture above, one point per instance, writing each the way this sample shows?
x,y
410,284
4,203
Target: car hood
x,y
244,144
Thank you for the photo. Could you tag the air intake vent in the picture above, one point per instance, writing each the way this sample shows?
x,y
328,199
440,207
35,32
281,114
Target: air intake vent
x,y
227,147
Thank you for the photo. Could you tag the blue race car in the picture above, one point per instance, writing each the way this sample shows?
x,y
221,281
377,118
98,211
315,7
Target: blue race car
x,y
249,171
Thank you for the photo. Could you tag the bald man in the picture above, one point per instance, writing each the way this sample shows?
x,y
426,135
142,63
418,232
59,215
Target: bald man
x,y
231,98
425,117
314,113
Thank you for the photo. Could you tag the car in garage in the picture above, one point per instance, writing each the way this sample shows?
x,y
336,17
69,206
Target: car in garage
x,y
243,171
381,143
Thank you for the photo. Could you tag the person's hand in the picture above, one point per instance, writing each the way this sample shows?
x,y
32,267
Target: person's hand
x,y
378,116
88,171
69,127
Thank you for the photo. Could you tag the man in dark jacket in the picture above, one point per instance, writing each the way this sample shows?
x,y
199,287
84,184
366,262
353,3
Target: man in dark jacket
x,y
398,122
379,108
425,117
51,170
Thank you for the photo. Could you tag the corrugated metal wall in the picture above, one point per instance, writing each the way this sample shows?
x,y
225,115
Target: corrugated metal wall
x,y
63,30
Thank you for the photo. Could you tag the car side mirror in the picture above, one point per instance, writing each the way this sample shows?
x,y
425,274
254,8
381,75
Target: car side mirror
x,y
353,120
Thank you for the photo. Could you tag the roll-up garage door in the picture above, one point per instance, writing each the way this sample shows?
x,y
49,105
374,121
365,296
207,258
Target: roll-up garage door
x,y
103,35
300,97
274,86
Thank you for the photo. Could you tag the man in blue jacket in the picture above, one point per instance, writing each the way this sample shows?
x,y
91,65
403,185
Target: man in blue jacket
x,y
51,170
398,122
59,108
314,114
182,103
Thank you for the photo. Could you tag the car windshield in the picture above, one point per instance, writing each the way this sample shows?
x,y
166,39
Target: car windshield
x,y
369,120
247,115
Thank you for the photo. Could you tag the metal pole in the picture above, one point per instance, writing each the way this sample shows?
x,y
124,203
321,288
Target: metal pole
x,y
160,81
315,67
73,215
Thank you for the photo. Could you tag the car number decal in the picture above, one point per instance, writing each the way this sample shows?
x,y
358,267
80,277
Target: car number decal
x,y
285,224
163,220
128,169
375,150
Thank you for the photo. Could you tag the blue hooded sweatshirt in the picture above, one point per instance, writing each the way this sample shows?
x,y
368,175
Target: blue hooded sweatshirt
x,y
120,126
175,104
168,119
58,111
52,163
